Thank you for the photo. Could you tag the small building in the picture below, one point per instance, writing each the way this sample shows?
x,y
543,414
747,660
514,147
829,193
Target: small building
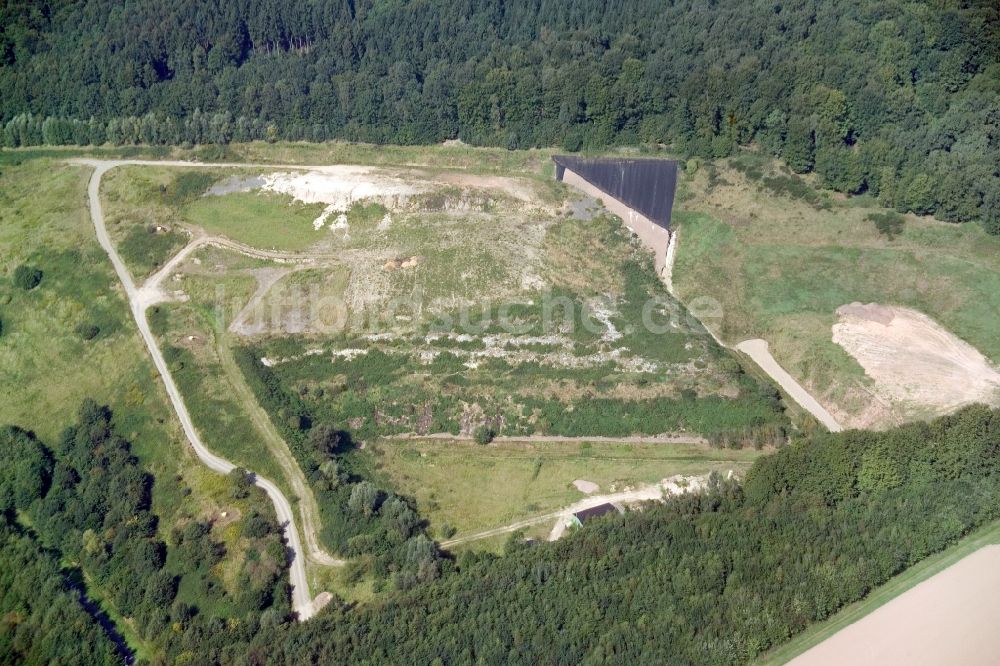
x,y
580,517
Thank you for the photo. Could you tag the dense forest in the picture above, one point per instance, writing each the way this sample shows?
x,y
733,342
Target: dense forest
x,y
78,514
714,578
895,98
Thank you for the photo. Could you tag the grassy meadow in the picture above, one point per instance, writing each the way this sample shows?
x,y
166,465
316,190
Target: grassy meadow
x,y
265,221
781,262
468,487
49,363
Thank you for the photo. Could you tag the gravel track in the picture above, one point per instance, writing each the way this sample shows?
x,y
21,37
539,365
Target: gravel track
x,y
141,298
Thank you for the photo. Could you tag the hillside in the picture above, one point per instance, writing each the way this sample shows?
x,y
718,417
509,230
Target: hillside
x,y
711,578
897,99
307,357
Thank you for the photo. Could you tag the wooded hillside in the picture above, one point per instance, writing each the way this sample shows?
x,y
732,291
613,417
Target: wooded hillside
x,y
712,578
896,98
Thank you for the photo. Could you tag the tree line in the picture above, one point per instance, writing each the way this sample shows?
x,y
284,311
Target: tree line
x,y
715,578
893,98
711,578
86,502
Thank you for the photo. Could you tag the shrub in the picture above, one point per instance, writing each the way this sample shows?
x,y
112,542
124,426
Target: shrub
x,y
87,331
27,277
484,435
240,483
889,224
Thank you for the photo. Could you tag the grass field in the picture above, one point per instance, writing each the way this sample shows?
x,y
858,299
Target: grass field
x,y
780,265
916,574
140,216
266,221
470,487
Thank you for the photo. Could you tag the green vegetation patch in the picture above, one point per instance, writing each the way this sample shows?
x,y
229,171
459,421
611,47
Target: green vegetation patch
x,y
780,269
466,487
261,220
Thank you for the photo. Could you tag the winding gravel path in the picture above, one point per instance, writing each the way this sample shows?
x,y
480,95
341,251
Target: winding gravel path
x,y
757,349
139,300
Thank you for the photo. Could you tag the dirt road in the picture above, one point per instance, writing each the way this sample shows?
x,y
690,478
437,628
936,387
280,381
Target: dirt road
x,y
644,494
139,300
278,448
757,350
598,439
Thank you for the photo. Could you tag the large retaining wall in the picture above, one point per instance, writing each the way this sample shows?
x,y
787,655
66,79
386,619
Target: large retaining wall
x,y
655,237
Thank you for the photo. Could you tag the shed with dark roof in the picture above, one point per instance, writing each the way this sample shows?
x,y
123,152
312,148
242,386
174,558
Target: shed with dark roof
x,y
582,516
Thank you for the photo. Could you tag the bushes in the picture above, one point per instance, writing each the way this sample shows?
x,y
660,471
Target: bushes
x,y
86,331
27,277
484,435
371,525
148,247
889,223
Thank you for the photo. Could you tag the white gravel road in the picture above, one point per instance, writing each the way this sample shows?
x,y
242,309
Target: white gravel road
x,y
757,350
139,300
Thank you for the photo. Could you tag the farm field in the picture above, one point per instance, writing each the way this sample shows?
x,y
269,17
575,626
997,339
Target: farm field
x,y
464,487
945,618
781,258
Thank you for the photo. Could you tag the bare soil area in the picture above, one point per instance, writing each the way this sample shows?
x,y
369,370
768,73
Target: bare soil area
x,y
947,619
913,360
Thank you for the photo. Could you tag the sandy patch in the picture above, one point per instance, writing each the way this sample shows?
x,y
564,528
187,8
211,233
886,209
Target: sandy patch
x,y
515,187
342,186
601,310
235,184
586,487
914,360
321,600
406,262
947,619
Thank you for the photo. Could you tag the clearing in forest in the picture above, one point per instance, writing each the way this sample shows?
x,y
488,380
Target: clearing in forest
x,y
464,302
463,487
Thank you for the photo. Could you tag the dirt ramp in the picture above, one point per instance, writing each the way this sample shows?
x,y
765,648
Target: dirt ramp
x,y
913,360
